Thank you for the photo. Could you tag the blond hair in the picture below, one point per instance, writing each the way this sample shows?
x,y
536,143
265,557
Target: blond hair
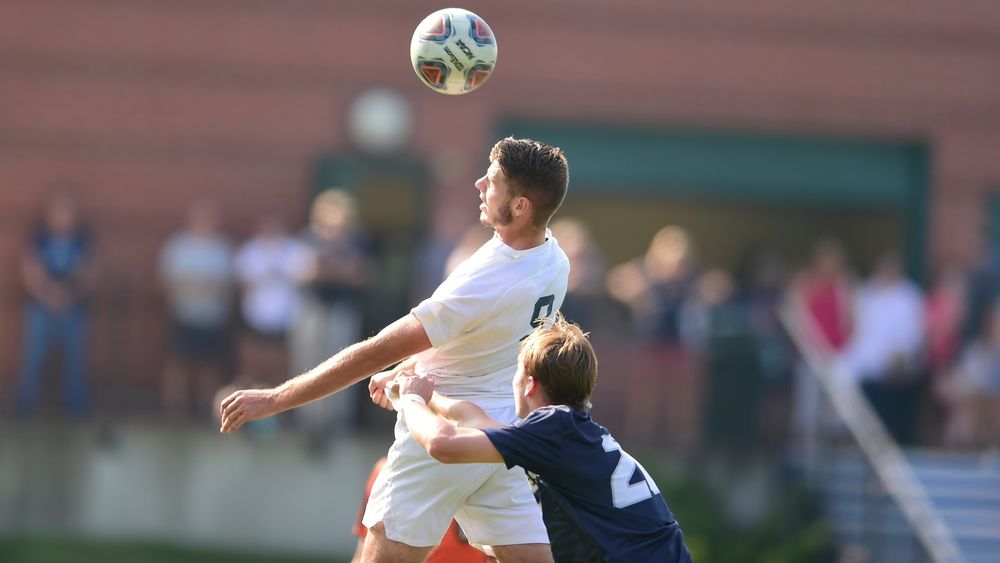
x,y
559,356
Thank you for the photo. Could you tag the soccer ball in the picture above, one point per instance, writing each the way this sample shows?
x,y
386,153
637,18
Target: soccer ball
x,y
453,51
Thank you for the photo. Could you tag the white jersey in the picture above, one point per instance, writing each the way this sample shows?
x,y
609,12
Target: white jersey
x,y
477,317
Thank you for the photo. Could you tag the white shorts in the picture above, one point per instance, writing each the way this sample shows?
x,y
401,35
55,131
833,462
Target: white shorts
x,y
415,497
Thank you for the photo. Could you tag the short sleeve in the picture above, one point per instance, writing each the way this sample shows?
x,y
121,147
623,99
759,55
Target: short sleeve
x,y
455,308
532,443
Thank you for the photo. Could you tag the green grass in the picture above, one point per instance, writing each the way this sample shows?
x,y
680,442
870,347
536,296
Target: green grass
x,y
65,550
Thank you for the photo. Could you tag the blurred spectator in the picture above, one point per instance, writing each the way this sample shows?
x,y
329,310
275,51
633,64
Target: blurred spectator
x,y
821,301
888,325
972,391
884,354
654,289
586,276
58,273
473,238
430,261
762,292
269,268
700,314
717,325
655,286
983,287
196,267
945,315
822,298
330,315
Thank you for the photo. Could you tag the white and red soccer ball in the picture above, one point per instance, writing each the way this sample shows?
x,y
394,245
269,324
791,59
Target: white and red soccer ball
x,y
453,51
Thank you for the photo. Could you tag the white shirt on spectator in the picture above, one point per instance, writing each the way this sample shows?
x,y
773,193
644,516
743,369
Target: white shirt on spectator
x,y
269,270
888,328
199,273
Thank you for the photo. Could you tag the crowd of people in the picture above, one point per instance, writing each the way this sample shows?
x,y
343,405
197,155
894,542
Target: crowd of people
x,y
277,303
928,361
281,302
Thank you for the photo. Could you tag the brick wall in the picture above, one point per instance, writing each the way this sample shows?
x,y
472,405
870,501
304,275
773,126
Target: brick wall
x,y
147,105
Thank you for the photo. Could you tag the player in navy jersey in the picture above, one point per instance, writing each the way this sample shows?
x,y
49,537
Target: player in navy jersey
x,y
598,502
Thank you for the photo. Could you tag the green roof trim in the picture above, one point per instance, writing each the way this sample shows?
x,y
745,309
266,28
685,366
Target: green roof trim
x,y
760,167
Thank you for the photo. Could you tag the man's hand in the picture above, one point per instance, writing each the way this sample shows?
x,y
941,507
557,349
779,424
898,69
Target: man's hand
x,y
246,405
383,383
377,385
417,385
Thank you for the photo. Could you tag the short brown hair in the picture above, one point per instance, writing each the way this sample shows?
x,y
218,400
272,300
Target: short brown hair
x,y
559,356
536,171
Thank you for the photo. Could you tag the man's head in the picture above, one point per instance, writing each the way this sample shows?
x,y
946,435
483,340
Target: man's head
x,y
333,214
203,218
526,182
557,366
62,210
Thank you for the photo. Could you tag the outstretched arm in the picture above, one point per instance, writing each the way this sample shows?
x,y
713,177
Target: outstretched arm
x,y
444,441
395,342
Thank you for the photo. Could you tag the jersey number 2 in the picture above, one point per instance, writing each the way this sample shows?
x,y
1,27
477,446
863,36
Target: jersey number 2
x,y
624,493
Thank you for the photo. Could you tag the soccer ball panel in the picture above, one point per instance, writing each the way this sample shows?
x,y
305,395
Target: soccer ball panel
x,y
453,51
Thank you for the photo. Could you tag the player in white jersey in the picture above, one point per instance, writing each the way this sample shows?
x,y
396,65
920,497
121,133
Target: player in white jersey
x,y
466,335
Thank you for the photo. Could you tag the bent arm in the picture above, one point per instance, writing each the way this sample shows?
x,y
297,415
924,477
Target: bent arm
x,y
463,413
444,441
395,342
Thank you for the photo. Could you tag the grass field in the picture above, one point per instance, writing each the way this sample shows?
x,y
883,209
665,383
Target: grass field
x,y
64,550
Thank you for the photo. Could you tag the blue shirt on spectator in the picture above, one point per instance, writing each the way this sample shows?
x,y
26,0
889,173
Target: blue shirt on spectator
x,y
60,255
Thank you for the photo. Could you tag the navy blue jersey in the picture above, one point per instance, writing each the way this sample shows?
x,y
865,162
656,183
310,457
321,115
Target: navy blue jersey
x,y
607,492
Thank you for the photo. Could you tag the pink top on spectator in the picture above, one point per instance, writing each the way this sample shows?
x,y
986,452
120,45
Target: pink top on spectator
x,y
824,299
944,318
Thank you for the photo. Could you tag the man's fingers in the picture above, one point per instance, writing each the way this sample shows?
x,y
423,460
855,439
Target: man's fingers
x,y
238,420
379,398
233,422
227,421
230,401
229,410
232,409
225,402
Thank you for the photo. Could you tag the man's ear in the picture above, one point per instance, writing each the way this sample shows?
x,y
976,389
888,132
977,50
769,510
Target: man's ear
x,y
531,387
522,205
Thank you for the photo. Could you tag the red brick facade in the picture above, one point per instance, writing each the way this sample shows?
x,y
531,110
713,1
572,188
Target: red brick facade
x,y
148,104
